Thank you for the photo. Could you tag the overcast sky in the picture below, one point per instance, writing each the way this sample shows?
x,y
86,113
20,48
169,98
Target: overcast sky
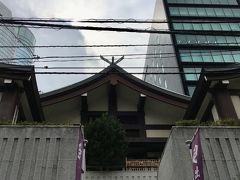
x,y
83,9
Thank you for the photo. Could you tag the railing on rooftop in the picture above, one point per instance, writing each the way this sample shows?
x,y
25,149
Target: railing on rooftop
x,y
142,164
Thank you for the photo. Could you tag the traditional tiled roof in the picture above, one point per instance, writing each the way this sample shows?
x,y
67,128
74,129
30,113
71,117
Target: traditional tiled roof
x,y
25,74
115,73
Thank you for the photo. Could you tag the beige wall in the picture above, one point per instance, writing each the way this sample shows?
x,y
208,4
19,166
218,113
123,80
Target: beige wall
x,y
157,112
215,113
67,112
236,104
98,99
127,98
158,133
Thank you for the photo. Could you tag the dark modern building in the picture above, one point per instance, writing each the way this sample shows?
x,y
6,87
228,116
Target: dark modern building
x,y
205,33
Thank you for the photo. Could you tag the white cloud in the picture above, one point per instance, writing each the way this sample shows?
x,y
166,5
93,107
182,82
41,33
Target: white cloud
x,y
84,9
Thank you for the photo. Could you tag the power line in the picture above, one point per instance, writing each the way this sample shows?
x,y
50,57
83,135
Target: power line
x,y
134,58
124,67
134,54
136,73
74,67
113,29
115,45
120,21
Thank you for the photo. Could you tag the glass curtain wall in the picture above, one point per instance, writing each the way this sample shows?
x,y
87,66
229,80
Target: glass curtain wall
x,y
201,48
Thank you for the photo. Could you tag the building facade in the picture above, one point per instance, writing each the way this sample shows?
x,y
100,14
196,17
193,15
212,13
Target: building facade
x,y
146,112
204,33
15,36
25,37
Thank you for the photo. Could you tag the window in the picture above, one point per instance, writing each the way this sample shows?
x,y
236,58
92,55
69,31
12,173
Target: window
x,y
185,56
191,90
189,76
178,26
196,56
227,57
217,57
207,27
231,40
200,39
226,2
197,27
209,12
207,57
236,57
187,26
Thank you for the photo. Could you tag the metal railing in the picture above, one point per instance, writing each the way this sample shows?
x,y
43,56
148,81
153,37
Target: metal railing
x,y
142,164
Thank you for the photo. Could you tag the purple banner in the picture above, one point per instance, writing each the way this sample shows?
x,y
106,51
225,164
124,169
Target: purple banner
x,y
197,155
80,153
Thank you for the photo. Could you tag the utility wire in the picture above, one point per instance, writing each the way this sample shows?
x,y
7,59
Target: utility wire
x,y
124,67
136,73
131,55
116,45
120,21
113,29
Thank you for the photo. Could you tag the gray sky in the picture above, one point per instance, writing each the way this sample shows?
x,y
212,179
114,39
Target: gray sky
x,y
83,9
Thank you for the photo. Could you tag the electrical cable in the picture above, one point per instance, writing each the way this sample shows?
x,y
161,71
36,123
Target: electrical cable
x,y
116,45
120,21
113,29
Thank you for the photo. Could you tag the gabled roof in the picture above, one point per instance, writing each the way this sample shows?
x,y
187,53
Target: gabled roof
x,y
26,74
114,74
208,76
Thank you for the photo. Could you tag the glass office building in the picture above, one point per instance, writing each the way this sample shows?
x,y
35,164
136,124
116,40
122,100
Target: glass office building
x,y
211,38
6,36
25,38
15,36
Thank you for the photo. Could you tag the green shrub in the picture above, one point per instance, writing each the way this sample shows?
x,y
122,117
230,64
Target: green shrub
x,y
224,122
188,123
107,145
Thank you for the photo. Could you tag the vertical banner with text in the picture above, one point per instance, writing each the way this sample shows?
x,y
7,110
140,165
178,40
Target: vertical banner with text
x,y
197,156
80,153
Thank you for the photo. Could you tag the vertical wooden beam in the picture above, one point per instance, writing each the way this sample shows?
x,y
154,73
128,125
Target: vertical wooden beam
x,y
84,109
8,104
223,103
112,100
141,115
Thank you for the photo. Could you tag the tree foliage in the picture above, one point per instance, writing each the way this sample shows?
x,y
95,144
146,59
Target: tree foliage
x,y
106,143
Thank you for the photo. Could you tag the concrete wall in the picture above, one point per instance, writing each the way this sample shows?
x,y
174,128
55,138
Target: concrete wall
x,y
221,154
38,153
122,175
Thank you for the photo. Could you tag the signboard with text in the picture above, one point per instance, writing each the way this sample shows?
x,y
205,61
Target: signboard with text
x,y
80,153
197,155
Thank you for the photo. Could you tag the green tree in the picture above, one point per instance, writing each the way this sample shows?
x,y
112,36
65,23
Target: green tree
x,y
107,147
